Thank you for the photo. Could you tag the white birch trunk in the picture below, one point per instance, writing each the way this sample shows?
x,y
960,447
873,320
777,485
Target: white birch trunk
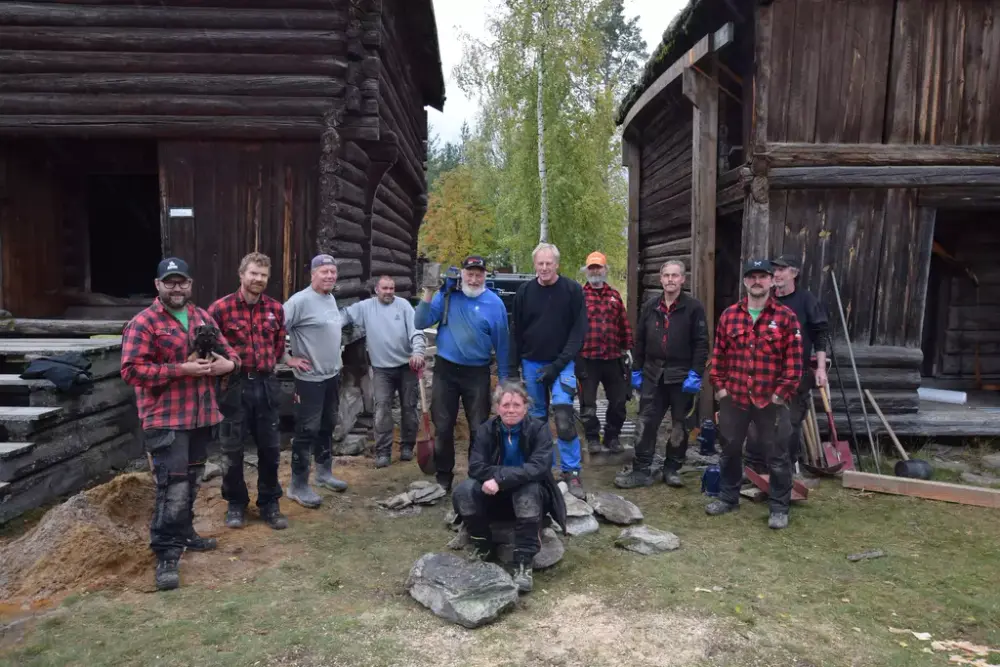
x,y
543,235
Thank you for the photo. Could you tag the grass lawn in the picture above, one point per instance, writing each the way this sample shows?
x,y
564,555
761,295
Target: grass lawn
x,y
330,591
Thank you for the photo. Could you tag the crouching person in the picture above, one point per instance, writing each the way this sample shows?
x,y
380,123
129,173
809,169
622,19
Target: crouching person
x,y
510,477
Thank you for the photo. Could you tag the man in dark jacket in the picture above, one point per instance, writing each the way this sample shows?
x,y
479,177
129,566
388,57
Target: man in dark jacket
x,y
672,350
510,476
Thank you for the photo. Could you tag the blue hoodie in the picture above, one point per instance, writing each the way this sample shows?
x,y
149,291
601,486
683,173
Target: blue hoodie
x,y
513,457
475,328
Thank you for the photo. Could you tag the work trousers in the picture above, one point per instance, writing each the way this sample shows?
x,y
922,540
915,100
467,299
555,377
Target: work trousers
x,y
610,373
388,382
178,464
560,396
772,425
316,408
523,505
452,382
656,400
798,407
249,405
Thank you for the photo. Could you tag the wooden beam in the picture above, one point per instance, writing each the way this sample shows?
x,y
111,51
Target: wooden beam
x,y
960,197
703,93
757,208
788,178
919,488
631,154
706,45
62,328
876,155
211,127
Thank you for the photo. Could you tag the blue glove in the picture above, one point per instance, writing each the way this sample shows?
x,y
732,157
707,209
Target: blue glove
x,y
450,283
692,385
636,379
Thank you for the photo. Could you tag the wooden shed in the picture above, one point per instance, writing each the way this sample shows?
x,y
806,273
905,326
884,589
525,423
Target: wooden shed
x,y
859,135
134,129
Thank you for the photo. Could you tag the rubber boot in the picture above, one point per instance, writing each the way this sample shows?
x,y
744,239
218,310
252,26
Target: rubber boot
x,y
300,491
523,577
406,453
325,478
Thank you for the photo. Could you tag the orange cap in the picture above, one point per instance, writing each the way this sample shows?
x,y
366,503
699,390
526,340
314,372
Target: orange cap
x,y
597,258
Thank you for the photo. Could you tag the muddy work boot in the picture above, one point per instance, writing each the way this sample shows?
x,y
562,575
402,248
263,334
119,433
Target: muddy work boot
x,y
195,542
480,549
236,516
572,479
634,478
272,516
167,575
614,445
717,507
382,461
445,479
778,520
672,478
325,478
406,453
300,491
523,578
594,445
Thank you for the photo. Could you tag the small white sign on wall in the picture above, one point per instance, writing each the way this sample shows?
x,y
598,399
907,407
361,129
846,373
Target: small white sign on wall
x,y
181,212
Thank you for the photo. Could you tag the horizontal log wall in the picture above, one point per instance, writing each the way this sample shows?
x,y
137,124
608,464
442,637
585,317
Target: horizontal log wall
x,y
218,68
664,194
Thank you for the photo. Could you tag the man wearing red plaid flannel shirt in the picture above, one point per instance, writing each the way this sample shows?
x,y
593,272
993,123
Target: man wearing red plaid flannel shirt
x,y
254,324
602,359
175,396
756,367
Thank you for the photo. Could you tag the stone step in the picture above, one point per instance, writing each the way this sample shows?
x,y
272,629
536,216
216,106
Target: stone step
x,y
12,450
4,490
17,422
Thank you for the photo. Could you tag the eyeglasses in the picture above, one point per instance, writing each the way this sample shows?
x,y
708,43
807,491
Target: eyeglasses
x,y
176,284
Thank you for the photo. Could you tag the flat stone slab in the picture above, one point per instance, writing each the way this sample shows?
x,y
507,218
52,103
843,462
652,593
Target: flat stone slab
x,y
980,480
647,541
581,525
425,494
612,507
468,593
991,461
576,507
551,552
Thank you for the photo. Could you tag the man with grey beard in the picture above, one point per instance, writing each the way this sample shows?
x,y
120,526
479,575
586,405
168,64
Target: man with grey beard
x,y
605,358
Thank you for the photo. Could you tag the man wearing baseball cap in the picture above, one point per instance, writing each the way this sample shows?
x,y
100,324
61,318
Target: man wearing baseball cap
x,y
756,368
815,332
606,352
472,326
314,327
175,398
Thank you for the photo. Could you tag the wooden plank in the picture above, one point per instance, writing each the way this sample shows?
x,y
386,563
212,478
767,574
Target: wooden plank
x,y
795,154
274,85
919,488
86,346
31,14
62,327
51,62
632,160
206,127
70,104
959,197
756,209
882,177
705,45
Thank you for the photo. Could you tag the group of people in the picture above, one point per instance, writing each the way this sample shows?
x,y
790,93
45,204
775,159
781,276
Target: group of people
x,y
561,339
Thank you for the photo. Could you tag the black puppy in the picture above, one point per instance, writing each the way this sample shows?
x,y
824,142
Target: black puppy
x,y
206,341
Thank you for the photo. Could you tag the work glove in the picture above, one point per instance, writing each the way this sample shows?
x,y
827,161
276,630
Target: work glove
x,y
692,385
636,380
548,374
628,358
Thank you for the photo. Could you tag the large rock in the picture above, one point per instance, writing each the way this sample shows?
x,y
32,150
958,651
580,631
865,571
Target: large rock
x,y
581,525
614,508
426,493
551,552
469,593
991,461
576,507
353,444
980,480
647,541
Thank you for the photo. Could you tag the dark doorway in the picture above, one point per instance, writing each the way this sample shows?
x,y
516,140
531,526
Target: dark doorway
x,y
124,215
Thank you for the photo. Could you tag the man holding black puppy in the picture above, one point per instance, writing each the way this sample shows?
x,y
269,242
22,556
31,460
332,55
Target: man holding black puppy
x,y
175,397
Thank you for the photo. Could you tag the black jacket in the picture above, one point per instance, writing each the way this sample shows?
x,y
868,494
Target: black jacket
x,y
687,340
486,462
69,372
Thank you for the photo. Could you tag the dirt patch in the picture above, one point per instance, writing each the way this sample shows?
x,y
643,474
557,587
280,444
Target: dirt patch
x,y
581,630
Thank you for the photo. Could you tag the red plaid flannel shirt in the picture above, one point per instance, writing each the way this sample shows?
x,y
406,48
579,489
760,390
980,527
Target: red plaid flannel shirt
x,y
154,345
755,361
256,332
608,330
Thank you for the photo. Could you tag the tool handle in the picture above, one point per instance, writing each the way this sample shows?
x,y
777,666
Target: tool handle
x,y
892,434
423,391
829,414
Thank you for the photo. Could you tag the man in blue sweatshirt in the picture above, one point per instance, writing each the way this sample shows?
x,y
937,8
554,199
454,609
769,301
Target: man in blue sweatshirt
x,y
472,325
549,324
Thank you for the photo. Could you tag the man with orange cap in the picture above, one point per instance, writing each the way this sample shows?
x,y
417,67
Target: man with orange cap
x,y
605,358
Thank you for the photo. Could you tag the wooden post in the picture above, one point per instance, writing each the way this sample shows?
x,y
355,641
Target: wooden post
x,y
329,180
631,160
756,211
704,95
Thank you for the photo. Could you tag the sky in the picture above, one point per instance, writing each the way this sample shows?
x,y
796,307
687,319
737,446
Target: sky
x,y
469,16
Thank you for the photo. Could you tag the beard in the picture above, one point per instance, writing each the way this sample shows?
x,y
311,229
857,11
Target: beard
x,y
472,292
596,281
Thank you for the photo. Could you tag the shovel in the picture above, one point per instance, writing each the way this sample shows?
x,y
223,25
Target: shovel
x,y
820,465
912,468
425,439
837,451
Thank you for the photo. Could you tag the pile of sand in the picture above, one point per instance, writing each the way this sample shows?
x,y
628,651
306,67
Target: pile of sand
x,y
97,538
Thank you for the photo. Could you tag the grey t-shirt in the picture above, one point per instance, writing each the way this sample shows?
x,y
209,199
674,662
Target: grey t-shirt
x,y
313,322
389,331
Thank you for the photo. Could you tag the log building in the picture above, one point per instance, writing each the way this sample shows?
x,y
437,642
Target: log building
x,y
134,129
859,135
